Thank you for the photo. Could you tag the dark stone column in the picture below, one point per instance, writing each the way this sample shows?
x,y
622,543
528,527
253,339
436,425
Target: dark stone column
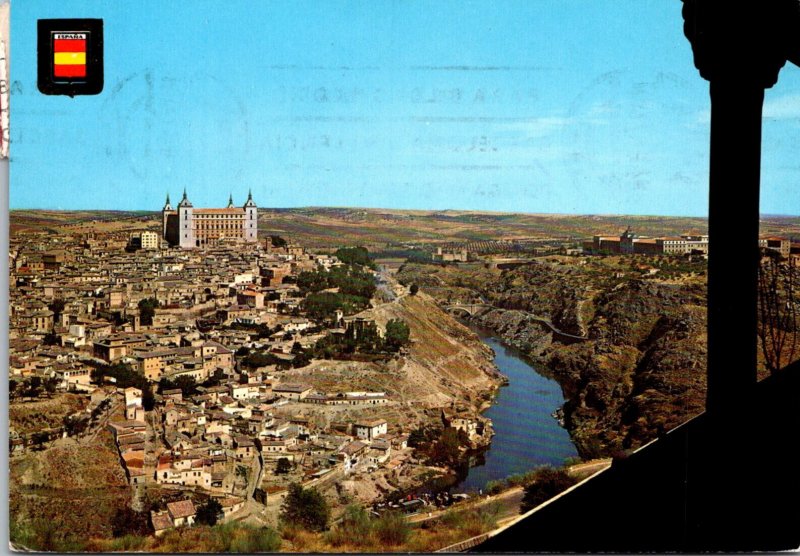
x,y
733,217
739,47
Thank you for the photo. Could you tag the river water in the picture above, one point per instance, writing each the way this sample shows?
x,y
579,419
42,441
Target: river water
x,y
526,433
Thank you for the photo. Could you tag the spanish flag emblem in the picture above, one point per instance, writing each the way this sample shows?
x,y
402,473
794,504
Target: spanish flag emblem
x,y
69,55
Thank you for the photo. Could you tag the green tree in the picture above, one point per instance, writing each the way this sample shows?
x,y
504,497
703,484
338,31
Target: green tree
x,y
322,306
147,309
187,384
306,508
50,384
446,450
284,466
547,482
148,399
33,387
256,359
397,334
51,339
354,255
313,281
277,241
209,513
417,437
57,306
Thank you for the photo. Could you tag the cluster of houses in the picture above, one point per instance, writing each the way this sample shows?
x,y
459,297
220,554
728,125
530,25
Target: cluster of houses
x,y
205,440
79,302
75,300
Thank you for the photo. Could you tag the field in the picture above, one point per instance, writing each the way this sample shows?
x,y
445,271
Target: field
x,y
385,228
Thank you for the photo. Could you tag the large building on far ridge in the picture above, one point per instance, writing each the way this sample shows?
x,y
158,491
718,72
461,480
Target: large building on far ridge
x,y
189,227
630,243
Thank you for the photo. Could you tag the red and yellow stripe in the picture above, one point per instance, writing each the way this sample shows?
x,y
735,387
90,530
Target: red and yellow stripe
x,y
69,58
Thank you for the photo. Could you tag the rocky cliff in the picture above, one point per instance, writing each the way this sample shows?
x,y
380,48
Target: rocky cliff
x,y
640,369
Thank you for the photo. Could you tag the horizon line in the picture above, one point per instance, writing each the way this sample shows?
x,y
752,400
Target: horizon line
x,y
477,211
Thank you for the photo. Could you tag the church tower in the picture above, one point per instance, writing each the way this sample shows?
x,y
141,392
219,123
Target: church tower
x,y
250,219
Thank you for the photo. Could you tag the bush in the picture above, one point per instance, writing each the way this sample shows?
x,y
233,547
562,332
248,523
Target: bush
x,y
249,539
128,521
357,521
392,529
548,482
128,543
355,528
44,535
495,487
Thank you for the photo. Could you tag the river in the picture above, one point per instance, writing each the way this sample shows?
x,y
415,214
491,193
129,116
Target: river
x,y
526,434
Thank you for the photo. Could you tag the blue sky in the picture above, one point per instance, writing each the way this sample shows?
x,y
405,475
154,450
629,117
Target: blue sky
x,y
560,106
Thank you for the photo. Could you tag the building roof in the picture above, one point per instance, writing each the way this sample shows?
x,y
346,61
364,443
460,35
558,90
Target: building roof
x,y
291,387
183,508
370,424
234,210
160,521
352,448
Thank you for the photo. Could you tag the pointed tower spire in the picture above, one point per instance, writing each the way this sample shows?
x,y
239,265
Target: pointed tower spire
x,y
230,200
250,202
185,201
167,197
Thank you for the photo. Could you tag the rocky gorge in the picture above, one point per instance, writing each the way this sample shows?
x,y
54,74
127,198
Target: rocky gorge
x,y
638,366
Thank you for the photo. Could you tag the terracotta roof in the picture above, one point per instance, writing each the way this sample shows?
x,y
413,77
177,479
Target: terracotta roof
x,y
160,521
183,508
352,448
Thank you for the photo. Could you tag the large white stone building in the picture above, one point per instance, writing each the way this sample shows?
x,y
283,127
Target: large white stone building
x,y
188,227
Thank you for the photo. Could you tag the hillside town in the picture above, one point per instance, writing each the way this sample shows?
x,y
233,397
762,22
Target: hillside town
x,y
189,357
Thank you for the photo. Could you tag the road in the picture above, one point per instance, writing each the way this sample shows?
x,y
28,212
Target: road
x,y
583,470
508,500
511,499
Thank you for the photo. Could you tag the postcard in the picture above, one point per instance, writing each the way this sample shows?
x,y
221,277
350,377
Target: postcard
x,y
397,277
